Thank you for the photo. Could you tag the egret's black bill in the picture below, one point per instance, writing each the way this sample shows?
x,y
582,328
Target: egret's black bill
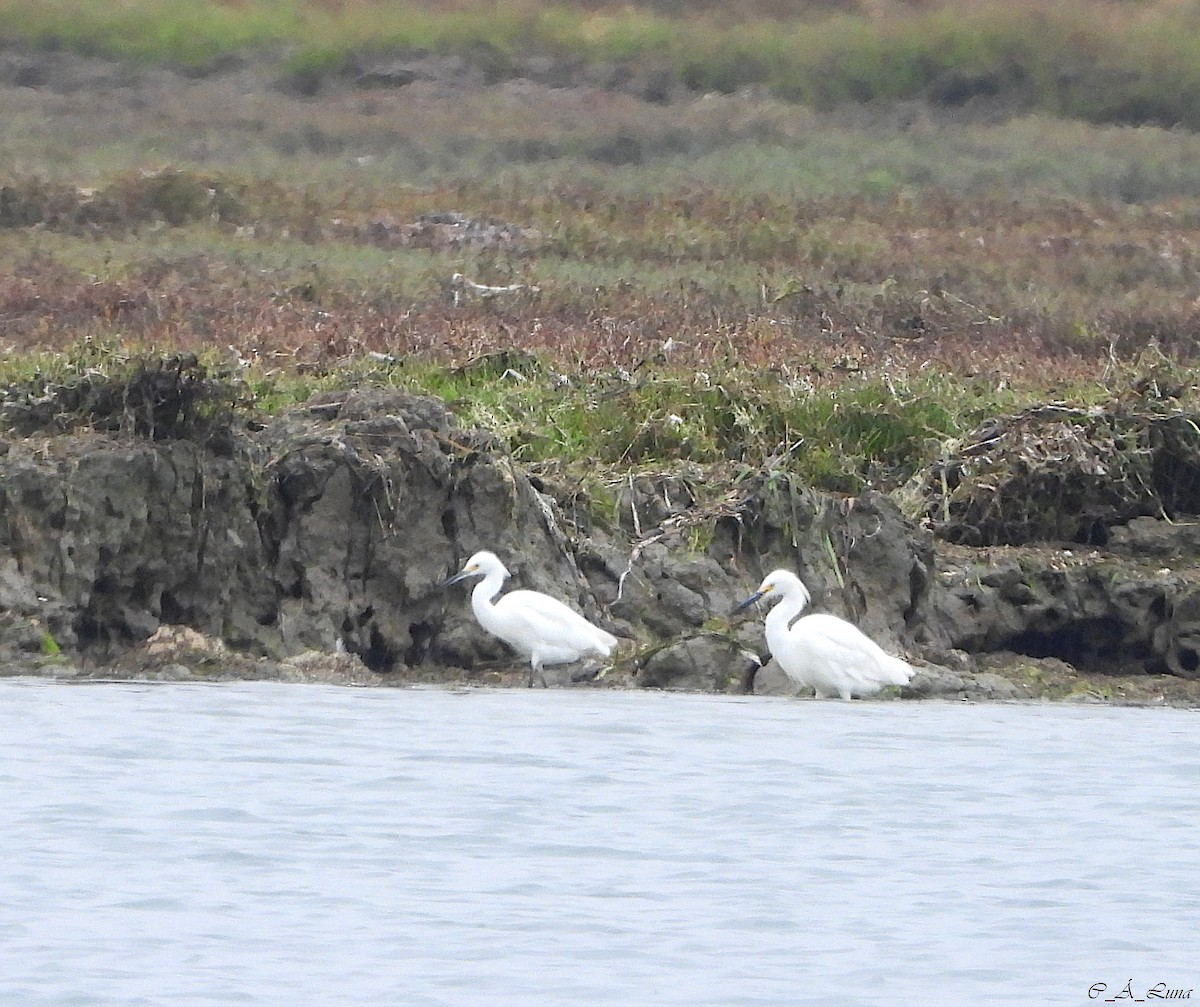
x,y
749,601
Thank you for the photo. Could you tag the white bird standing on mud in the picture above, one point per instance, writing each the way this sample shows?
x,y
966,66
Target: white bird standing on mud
x,y
829,654
534,624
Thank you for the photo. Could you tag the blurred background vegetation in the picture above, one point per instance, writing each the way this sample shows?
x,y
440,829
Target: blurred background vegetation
x,y
825,236
1127,61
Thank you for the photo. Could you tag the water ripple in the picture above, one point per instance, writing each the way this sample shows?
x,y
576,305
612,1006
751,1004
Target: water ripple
x,y
270,844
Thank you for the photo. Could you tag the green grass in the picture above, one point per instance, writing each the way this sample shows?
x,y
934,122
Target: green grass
x,y
154,31
473,152
1093,61
866,430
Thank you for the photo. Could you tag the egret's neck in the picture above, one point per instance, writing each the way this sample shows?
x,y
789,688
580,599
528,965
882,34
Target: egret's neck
x,y
482,598
780,617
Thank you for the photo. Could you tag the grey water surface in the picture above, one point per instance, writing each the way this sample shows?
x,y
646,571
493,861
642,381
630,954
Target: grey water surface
x,y
311,845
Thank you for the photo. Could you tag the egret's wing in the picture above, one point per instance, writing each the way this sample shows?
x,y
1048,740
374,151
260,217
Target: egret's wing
x,y
842,646
562,614
559,632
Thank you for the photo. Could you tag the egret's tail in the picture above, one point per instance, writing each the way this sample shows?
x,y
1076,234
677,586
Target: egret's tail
x,y
898,672
605,641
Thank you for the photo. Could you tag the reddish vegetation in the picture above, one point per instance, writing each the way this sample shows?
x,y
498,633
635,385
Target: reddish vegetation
x,y
1040,291
973,285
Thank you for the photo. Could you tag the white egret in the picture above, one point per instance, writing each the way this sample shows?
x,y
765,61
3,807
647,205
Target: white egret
x,y
829,654
534,624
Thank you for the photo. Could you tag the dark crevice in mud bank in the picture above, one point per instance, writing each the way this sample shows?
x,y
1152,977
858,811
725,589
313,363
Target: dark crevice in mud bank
x,y
1082,538
313,545
1097,611
1097,645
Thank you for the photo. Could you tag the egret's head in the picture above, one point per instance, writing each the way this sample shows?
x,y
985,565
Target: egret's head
x,y
774,586
480,565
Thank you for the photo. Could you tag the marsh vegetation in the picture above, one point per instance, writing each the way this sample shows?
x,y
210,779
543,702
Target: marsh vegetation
x,y
824,237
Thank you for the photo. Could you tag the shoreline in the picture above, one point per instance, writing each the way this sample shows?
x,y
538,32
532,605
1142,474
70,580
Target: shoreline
x,y
1011,682
642,350
313,544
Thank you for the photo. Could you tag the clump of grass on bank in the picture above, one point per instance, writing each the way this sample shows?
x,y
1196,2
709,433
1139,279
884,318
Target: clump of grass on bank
x,y
873,429
102,387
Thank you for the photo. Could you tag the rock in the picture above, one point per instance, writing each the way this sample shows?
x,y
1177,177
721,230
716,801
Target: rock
x,y
313,533
949,660
931,681
328,530
336,668
705,663
1086,607
564,676
988,685
177,641
1151,537
770,680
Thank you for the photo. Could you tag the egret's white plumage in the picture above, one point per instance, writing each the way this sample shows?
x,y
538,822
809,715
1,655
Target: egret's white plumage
x,y
829,654
539,627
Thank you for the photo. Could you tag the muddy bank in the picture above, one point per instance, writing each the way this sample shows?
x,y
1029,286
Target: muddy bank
x,y
311,546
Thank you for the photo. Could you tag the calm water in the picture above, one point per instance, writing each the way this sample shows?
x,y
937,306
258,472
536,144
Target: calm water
x,y
310,846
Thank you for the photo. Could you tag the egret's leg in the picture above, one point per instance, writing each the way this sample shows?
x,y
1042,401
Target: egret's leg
x,y
536,675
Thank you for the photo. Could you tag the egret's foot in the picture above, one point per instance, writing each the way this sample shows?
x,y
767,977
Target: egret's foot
x,y
587,675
